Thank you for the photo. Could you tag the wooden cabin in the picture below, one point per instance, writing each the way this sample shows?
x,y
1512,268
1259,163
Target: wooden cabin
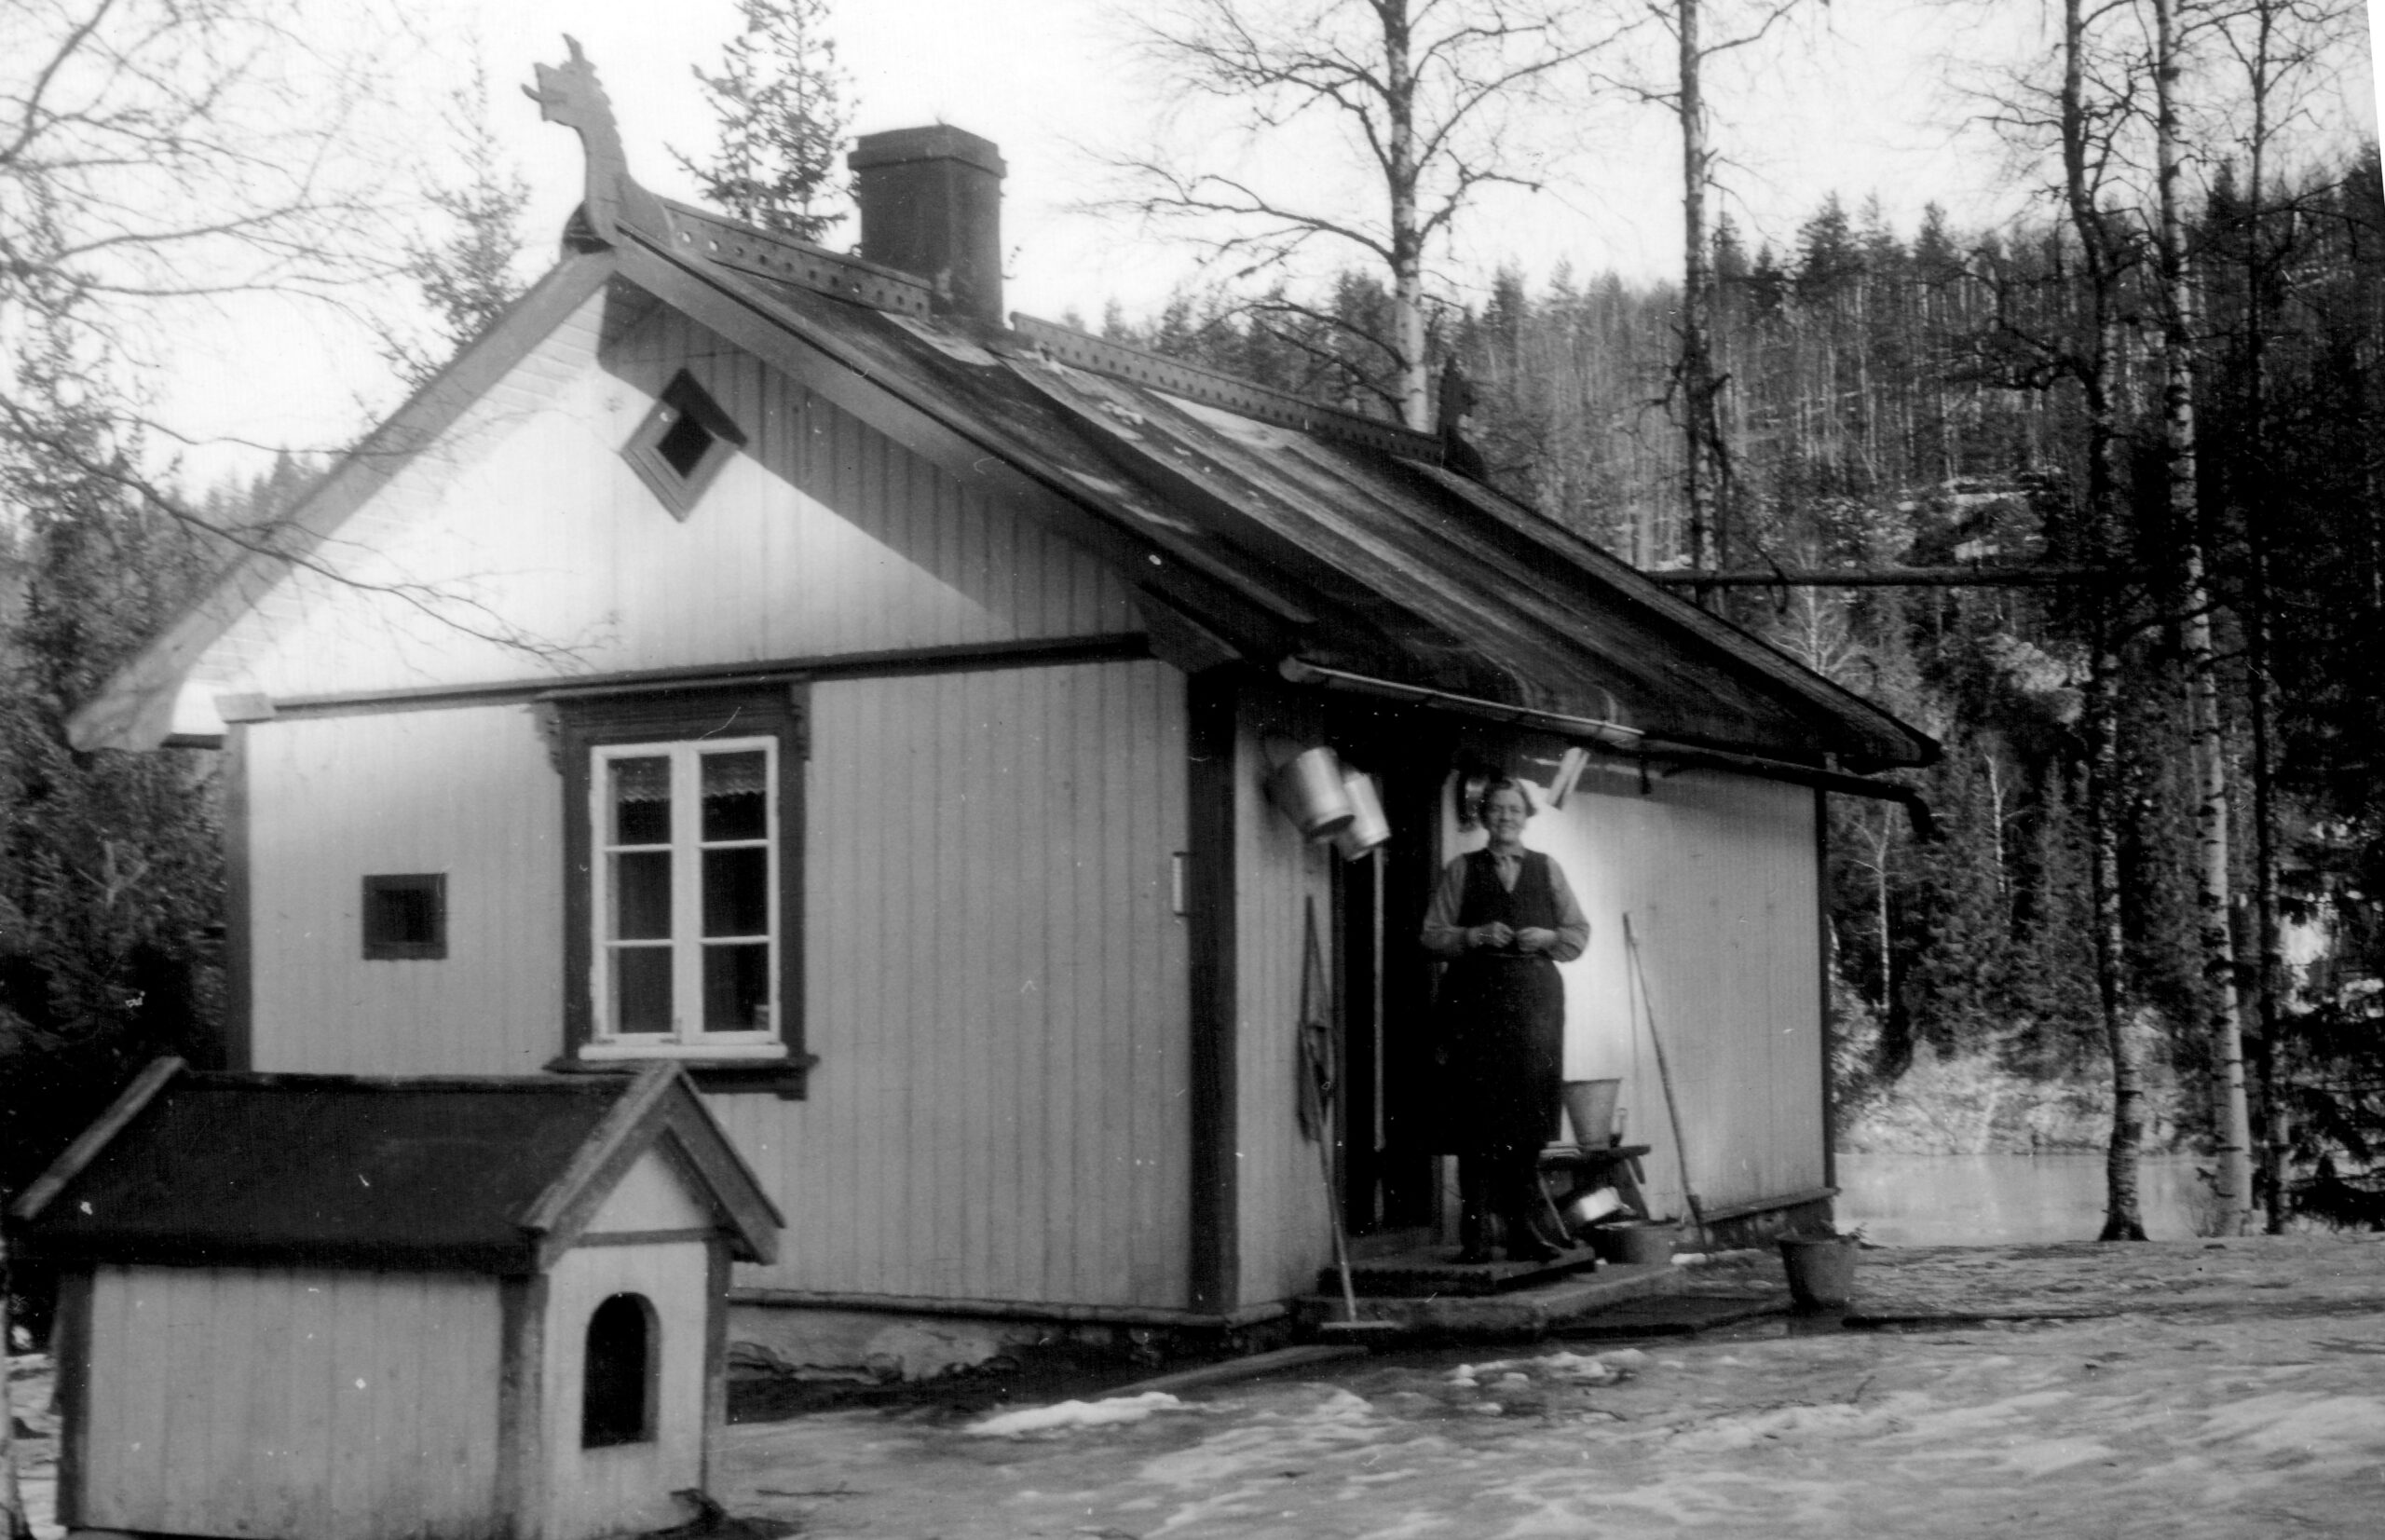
x,y
782,664
305,1307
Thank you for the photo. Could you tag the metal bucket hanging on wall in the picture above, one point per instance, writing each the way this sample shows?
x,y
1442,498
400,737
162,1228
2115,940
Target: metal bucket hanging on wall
x,y
1309,791
1368,828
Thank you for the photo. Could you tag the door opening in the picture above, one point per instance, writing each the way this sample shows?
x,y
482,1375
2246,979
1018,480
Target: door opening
x,y
1383,983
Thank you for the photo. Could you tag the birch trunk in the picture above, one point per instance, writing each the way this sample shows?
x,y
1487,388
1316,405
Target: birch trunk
x,y
2100,255
2232,1134
2123,1208
1407,244
1696,351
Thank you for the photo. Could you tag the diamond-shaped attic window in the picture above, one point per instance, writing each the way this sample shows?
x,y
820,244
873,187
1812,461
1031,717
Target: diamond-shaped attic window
x,y
682,444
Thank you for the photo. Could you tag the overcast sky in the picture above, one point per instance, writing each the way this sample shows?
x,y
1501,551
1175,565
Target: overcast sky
x,y
1851,102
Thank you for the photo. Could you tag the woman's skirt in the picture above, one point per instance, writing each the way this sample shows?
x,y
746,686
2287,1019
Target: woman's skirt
x,y
1501,1048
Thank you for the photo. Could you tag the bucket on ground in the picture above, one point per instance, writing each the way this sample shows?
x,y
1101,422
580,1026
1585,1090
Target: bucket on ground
x,y
1636,1242
1820,1269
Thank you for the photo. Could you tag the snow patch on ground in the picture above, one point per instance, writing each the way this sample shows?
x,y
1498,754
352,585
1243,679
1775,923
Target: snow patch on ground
x,y
2317,1427
1064,1415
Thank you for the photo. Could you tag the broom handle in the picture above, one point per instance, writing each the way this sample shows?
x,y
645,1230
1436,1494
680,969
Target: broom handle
x,y
1341,1243
1665,1078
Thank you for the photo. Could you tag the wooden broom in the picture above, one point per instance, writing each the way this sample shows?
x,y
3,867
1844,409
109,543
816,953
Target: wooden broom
x,y
1665,1078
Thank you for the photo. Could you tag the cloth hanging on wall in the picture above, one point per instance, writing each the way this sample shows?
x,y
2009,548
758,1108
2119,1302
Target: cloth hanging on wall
x,y
1317,1075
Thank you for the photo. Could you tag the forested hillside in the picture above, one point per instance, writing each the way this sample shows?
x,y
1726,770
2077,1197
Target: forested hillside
x,y
1911,406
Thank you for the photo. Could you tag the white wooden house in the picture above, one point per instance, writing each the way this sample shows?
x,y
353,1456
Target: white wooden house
x,y
302,1307
780,663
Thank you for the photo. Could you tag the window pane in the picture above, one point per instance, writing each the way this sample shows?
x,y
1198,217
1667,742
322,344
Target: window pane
x,y
737,891
736,796
641,793
642,895
737,985
642,989
683,446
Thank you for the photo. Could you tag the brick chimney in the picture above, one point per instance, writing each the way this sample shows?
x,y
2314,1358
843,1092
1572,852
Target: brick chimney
x,y
932,206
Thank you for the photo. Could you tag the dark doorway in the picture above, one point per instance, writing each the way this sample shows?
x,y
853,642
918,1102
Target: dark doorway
x,y
1384,982
618,1378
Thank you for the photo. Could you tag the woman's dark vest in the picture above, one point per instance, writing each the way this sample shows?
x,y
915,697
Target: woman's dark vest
x,y
1502,1017
1530,905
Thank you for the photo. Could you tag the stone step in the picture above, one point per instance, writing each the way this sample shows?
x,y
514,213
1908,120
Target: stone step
x,y
1431,1272
1531,1311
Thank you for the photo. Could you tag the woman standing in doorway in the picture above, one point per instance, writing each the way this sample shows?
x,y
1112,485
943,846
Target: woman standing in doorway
x,y
1505,918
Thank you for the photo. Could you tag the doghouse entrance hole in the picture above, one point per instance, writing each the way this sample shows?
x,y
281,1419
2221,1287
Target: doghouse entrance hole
x,y
617,1398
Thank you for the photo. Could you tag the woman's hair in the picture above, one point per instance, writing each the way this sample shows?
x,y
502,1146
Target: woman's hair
x,y
1498,784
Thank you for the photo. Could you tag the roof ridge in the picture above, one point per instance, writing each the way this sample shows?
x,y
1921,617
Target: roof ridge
x,y
1217,388
702,234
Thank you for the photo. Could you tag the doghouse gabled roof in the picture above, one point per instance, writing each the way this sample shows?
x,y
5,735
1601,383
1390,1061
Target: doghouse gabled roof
x,y
495,1174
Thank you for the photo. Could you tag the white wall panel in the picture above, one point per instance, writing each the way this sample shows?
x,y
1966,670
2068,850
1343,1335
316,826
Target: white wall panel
x,y
1284,1222
467,793
996,989
523,545
289,1402
624,1488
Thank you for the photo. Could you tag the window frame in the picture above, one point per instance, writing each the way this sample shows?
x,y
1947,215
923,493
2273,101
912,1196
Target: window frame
x,y
685,847
380,949
584,729
680,400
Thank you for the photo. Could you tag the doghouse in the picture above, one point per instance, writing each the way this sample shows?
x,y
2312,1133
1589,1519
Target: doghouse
x,y
304,1307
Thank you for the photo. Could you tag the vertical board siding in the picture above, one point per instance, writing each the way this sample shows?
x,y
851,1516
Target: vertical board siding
x,y
997,995
626,1489
291,1401
823,537
1285,1234
1717,873
469,793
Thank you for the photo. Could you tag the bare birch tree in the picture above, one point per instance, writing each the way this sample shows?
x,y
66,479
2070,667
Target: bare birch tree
x,y
2231,1134
2081,108
1429,98
2279,49
1696,386
158,158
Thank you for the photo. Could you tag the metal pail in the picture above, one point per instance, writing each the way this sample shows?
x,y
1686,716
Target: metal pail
x,y
1309,791
1368,828
1590,1105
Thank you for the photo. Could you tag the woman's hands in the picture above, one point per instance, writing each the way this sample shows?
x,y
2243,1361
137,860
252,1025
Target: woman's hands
x,y
1501,937
1498,937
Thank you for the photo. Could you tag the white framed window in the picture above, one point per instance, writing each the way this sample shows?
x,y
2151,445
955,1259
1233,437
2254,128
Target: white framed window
x,y
685,897
683,878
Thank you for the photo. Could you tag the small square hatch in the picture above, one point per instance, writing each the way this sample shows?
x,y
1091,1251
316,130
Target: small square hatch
x,y
683,443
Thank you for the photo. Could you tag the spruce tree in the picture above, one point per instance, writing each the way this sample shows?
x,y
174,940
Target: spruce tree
x,y
780,108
